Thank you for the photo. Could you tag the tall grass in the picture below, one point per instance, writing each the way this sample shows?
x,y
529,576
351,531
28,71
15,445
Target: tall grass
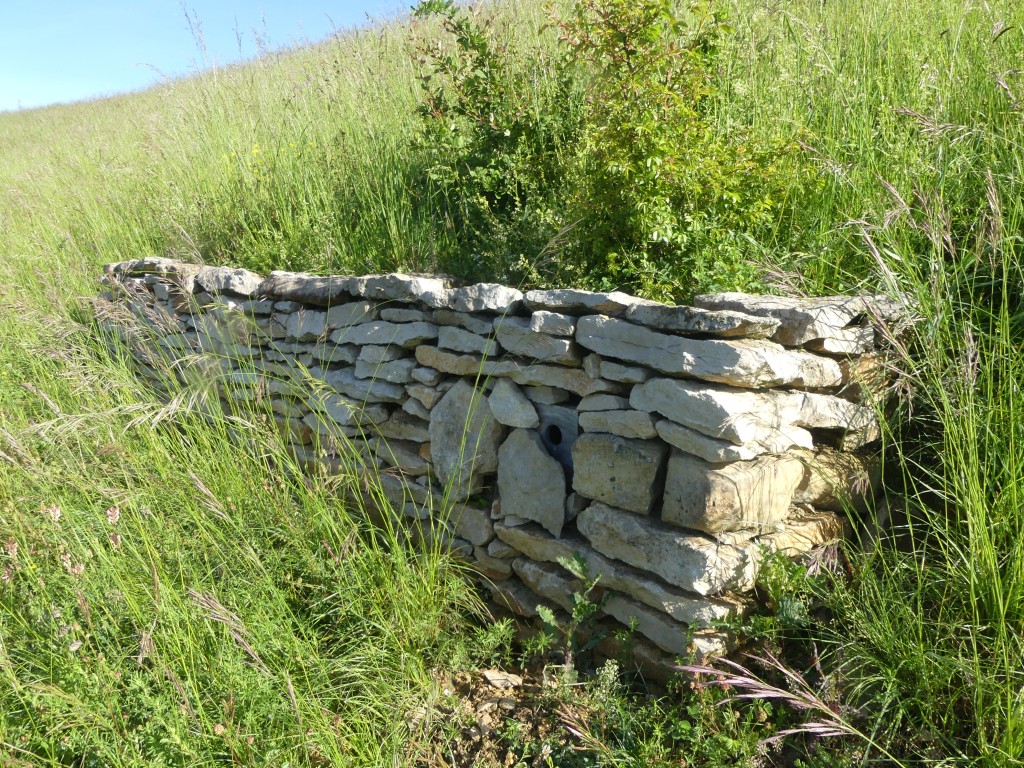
x,y
908,111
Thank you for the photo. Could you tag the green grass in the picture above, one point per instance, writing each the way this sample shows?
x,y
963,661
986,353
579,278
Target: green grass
x,y
908,116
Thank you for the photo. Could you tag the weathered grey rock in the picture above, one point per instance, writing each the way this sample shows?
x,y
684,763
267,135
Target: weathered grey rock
x,y
352,313
546,395
257,306
347,383
802,320
396,371
428,377
472,524
460,340
337,354
330,430
424,394
552,323
284,307
414,407
744,362
627,374
547,580
516,335
306,289
401,315
692,561
602,403
517,597
404,426
412,289
380,354
818,411
574,301
531,483
510,406
150,265
719,323
742,495
571,379
460,365
306,325
381,332
464,439
479,325
402,455
626,473
737,416
217,280
342,410
682,606
574,504
803,531
485,297
625,423
500,549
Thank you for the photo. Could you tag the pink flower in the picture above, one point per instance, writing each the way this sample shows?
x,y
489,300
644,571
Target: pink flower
x,y
53,511
113,515
11,548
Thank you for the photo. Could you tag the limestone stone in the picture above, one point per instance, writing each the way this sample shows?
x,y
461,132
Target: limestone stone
x,y
344,411
625,423
285,307
480,325
553,323
415,408
473,524
531,483
516,335
460,340
803,531
485,297
404,426
745,362
681,605
694,562
257,306
328,429
492,567
337,354
428,396
737,416
305,289
625,473
627,374
458,365
412,289
726,497
574,504
834,480
719,323
602,403
546,395
820,411
465,438
403,455
381,332
510,406
574,301
345,381
571,379
428,377
401,315
500,549
396,371
305,325
149,265
217,280
855,340
351,313
517,597
718,451
547,580
667,634
802,320
372,353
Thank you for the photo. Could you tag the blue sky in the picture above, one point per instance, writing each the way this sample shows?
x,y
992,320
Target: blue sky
x,y
64,50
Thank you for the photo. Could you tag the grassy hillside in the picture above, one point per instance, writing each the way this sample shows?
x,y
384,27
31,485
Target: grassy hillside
x,y
210,620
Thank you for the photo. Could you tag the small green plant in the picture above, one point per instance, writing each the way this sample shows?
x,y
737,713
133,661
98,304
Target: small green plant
x,y
577,633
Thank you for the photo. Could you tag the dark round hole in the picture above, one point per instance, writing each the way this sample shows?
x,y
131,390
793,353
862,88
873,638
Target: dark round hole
x,y
554,434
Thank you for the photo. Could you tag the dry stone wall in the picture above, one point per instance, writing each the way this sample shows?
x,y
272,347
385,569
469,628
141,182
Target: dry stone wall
x,y
670,448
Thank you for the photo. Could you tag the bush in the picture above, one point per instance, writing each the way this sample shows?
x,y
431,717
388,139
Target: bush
x,y
604,151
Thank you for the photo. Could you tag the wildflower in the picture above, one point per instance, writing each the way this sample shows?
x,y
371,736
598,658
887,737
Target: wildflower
x,y
8,574
11,548
113,515
53,511
115,539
